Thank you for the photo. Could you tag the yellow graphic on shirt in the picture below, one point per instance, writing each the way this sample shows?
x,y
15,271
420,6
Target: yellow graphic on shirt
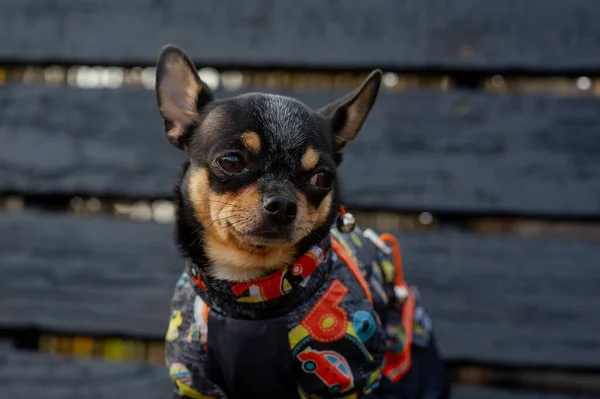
x,y
356,239
173,331
299,333
182,377
302,394
343,241
249,299
420,331
296,335
389,270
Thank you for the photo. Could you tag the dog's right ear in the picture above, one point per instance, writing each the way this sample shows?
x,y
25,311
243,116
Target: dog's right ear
x,y
180,92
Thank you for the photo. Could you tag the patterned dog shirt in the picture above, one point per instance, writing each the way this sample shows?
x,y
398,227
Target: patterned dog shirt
x,y
338,323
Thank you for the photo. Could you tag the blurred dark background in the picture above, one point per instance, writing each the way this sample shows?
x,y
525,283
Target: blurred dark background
x,y
482,155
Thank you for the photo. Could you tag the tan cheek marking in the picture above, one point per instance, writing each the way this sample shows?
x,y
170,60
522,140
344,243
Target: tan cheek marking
x,y
251,141
198,192
309,217
249,198
215,211
304,224
310,159
242,209
208,206
323,210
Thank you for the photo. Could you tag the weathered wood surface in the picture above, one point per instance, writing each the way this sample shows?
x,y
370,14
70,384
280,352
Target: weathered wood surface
x,y
92,276
511,34
5,346
487,393
497,299
31,375
26,375
443,152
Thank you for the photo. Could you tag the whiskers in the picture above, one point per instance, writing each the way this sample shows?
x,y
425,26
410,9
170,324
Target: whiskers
x,y
236,206
239,216
306,228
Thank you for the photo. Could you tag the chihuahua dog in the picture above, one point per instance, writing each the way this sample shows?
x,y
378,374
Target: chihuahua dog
x,y
277,300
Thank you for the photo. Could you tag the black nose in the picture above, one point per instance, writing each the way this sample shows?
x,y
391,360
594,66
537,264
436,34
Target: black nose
x,y
280,208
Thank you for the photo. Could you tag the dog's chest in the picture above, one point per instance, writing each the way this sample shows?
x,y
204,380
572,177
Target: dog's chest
x,y
333,344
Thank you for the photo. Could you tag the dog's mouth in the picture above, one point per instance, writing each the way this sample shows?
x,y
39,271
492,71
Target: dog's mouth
x,y
261,241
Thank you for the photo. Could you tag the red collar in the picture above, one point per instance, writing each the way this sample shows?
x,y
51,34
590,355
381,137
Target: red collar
x,y
272,286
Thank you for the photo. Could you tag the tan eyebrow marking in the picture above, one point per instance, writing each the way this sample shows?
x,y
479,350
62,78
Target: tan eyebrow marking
x,y
310,159
251,141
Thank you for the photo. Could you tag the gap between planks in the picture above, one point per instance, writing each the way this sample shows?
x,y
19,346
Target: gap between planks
x,y
162,211
115,76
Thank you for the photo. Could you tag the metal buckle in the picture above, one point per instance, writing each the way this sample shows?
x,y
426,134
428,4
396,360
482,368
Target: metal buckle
x,y
401,292
346,222
378,242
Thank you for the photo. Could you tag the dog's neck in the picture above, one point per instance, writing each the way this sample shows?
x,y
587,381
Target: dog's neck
x,y
269,295
235,274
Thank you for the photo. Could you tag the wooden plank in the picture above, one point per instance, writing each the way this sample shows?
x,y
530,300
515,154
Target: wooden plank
x,y
5,346
497,299
31,375
419,151
89,275
491,393
531,379
516,34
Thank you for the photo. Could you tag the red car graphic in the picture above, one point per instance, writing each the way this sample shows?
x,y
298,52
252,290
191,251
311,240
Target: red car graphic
x,y
330,367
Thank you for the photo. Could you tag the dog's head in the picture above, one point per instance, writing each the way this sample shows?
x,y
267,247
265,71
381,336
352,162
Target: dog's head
x,y
260,185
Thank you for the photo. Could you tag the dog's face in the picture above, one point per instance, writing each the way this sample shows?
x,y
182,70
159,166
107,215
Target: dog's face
x,y
262,168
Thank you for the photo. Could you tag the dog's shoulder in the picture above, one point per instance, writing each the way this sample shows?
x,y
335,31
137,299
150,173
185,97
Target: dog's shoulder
x,y
364,248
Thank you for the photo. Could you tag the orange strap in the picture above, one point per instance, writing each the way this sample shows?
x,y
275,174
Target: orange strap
x,y
351,263
391,240
398,364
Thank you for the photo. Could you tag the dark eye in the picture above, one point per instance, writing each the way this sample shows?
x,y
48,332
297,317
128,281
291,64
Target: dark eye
x,y
322,180
232,163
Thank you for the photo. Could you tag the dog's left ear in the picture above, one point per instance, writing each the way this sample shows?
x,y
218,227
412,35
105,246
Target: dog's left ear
x,y
348,114
180,93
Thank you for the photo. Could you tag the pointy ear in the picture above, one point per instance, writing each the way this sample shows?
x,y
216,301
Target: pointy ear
x,y
348,113
180,93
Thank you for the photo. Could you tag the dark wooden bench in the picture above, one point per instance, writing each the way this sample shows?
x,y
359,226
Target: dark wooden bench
x,y
534,35
98,285
26,375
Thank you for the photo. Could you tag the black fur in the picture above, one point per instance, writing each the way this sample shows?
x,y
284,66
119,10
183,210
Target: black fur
x,y
277,165
286,127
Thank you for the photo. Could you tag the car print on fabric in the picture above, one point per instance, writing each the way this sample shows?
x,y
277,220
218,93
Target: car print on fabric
x,y
330,367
